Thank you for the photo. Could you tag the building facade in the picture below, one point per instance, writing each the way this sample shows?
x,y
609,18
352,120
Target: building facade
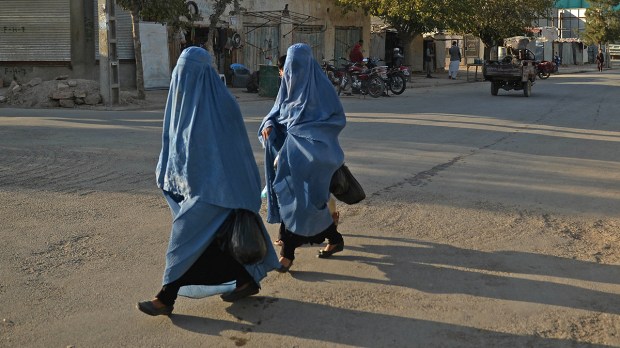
x,y
48,38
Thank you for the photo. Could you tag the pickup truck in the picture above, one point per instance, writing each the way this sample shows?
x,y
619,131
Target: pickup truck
x,y
514,71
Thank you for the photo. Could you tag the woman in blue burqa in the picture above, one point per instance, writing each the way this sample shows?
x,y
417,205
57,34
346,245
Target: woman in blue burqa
x,y
300,136
206,170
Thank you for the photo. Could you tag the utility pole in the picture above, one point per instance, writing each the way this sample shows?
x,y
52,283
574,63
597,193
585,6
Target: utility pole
x,y
109,84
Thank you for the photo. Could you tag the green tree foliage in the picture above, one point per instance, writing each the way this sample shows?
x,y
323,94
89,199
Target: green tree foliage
x,y
602,22
409,17
160,11
491,20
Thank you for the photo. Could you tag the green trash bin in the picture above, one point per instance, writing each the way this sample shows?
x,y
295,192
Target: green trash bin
x,y
268,82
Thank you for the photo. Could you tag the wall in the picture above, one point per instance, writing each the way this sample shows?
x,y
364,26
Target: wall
x,y
81,63
328,15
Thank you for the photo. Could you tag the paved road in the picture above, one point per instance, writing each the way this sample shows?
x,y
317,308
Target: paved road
x,y
490,221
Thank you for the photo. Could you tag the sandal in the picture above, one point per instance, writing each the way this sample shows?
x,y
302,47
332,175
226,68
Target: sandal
x,y
323,254
278,242
243,291
282,268
149,308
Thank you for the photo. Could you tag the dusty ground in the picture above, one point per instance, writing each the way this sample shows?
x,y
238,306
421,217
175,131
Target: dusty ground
x,y
433,258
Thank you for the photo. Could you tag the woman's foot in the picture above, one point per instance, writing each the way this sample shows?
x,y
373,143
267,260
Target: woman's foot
x,y
285,265
330,249
278,242
154,307
248,289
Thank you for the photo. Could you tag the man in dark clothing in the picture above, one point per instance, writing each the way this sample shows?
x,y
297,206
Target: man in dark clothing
x,y
429,60
356,54
600,60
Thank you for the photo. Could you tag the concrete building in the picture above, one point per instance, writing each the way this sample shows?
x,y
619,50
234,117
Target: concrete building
x,y
48,38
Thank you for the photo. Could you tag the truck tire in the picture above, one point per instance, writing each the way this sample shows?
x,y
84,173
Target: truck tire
x,y
527,88
494,87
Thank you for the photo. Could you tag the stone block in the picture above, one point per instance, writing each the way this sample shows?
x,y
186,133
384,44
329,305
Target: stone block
x,y
62,94
67,103
92,99
79,94
34,82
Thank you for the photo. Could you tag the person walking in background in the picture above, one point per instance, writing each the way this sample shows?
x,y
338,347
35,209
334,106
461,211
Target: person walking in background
x,y
397,58
557,60
600,60
302,152
428,57
455,60
356,55
206,169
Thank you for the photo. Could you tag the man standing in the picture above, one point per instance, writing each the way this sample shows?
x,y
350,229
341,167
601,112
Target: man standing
x,y
356,54
600,60
455,60
429,60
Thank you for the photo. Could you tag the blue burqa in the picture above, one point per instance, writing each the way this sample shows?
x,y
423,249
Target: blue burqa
x,y
205,157
306,119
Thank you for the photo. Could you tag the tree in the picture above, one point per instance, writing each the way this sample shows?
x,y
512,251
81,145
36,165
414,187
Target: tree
x,y
492,21
409,17
160,11
602,22
219,7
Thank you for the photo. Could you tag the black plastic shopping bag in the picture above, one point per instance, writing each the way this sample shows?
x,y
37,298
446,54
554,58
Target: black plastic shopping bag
x,y
245,242
345,187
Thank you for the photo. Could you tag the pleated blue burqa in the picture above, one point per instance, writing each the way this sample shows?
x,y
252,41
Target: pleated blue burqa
x,y
205,157
306,119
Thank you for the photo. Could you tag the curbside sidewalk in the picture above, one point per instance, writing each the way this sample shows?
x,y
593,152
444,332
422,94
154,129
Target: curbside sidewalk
x,y
156,99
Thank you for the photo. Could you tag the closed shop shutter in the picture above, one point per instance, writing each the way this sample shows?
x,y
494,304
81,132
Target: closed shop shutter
x,y
346,38
314,37
124,32
261,46
35,30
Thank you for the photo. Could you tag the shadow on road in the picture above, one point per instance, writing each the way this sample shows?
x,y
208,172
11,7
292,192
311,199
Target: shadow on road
x,y
292,320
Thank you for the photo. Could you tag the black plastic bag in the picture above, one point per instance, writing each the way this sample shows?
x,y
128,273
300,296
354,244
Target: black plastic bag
x,y
345,187
241,235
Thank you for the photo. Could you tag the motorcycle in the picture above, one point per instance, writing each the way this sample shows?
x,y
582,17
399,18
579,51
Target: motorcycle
x,y
395,78
544,68
363,80
334,75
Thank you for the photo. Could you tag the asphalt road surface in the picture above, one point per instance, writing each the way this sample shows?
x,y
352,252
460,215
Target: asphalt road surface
x,y
490,221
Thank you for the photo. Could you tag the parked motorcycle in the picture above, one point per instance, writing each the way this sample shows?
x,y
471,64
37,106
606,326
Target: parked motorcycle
x,y
395,79
363,80
544,68
333,74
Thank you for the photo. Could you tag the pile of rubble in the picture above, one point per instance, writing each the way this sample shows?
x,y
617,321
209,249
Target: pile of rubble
x,y
61,92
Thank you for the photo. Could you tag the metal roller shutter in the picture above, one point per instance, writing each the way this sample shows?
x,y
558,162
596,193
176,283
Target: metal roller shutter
x,y
346,38
314,37
261,46
35,30
124,32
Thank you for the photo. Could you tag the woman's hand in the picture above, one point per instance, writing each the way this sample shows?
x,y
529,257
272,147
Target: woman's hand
x,y
266,132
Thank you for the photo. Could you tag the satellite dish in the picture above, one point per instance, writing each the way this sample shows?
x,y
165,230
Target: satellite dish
x,y
236,40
